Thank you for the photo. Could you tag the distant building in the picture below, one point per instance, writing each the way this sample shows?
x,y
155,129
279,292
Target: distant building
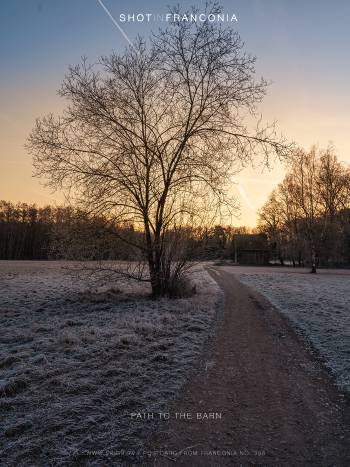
x,y
251,249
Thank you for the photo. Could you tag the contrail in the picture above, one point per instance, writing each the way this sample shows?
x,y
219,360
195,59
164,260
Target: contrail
x,y
246,198
115,22
244,193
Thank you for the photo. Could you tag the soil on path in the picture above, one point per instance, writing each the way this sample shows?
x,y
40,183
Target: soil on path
x,y
278,405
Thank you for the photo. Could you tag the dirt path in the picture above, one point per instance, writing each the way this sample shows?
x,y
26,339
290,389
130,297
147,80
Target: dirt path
x,y
279,406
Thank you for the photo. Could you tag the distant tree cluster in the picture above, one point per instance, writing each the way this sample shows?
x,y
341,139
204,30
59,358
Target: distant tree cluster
x,y
28,232
307,217
24,230
213,243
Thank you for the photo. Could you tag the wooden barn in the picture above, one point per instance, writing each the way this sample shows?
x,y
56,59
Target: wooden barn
x,y
251,249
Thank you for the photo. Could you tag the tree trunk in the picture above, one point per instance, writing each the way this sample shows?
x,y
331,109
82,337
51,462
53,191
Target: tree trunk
x,y
300,260
160,282
313,260
154,262
156,282
157,291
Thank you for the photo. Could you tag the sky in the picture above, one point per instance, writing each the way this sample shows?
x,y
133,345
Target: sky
x,y
302,47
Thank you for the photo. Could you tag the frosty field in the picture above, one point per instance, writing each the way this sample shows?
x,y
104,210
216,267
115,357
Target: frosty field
x,y
76,363
318,306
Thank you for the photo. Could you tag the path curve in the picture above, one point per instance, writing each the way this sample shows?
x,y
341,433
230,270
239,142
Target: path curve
x,y
279,405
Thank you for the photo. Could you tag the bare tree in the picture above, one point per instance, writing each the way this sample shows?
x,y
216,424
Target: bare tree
x,y
293,231
152,136
305,210
333,183
271,223
303,190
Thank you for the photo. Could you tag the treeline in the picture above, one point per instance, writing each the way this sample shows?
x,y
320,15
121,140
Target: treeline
x,y
306,220
307,217
29,232
24,230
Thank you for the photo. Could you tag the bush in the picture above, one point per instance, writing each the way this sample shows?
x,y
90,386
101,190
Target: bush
x,y
181,287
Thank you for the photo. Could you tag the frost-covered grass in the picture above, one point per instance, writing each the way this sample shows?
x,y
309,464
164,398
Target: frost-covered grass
x,y
75,363
318,305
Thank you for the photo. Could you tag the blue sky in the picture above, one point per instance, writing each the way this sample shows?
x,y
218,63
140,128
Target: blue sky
x,y
44,35
302,47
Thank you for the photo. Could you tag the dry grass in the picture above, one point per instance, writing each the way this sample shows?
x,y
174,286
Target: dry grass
x,y
76,363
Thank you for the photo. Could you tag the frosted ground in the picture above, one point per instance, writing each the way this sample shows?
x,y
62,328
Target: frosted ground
x,y
317,305
75,363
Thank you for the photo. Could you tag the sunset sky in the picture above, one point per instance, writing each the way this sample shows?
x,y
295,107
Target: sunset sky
x,y
301,46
